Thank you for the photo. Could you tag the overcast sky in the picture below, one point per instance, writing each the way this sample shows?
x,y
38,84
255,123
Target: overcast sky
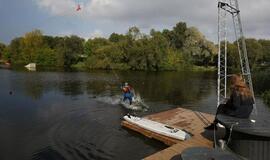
x,y
102,17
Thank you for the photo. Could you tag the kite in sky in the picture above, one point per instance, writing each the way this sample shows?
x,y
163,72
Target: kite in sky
x,y
78,7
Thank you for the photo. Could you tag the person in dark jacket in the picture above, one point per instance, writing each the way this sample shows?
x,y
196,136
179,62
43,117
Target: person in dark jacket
x,y
240,103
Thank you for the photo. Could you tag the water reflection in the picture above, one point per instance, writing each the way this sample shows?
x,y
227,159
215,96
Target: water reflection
x,y
71,88
171,87
33,87
100,88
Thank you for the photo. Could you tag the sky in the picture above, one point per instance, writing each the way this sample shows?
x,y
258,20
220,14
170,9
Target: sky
x,y
100,18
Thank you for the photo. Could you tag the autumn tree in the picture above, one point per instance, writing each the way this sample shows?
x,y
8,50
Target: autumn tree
x,y
31,45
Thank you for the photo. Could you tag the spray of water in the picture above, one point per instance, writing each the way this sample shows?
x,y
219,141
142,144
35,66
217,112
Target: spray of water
x,y
109,100
118,99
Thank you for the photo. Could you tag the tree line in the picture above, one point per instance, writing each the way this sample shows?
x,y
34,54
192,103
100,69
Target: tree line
x,y
258,54
34,47
178,48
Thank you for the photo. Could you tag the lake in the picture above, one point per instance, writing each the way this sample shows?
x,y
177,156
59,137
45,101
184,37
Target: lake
x,y
75,115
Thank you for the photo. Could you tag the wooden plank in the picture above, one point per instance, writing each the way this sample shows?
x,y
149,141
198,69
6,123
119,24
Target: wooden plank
x,y
174,150
191,121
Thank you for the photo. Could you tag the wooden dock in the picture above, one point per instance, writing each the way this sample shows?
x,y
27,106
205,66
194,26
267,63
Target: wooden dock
x,y
191,121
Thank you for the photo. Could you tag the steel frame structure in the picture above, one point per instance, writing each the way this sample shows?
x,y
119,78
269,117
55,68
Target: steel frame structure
x,y
230,8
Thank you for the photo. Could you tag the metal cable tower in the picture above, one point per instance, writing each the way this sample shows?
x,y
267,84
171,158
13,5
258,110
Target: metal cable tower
x,y
230,8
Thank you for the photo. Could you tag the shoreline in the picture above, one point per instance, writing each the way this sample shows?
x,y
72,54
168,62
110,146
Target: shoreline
x,y
83,69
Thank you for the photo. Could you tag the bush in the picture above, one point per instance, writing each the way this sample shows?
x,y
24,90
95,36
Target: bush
x,y
266,97
80,66
46,57
261,79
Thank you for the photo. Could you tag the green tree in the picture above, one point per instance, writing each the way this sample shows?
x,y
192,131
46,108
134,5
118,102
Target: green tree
x,y
114,37
233,60
31,44
173,61
178,35
255,50
68,50
15,51
168,35
158,51
107,57
2,49
93,44
197,49
46,57
265,51
51,41
134,33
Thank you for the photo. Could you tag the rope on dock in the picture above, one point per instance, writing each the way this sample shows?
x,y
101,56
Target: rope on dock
x,y
205,121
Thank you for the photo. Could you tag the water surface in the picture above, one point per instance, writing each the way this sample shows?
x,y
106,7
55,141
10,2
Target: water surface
x,y
73,115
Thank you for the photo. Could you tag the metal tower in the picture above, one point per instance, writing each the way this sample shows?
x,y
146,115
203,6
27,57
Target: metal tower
x,y
230,8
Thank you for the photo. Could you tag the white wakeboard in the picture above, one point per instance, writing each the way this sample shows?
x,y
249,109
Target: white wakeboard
x,y
157,127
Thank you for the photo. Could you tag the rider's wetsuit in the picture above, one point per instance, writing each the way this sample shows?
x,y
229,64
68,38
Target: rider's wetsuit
x,y
127,93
